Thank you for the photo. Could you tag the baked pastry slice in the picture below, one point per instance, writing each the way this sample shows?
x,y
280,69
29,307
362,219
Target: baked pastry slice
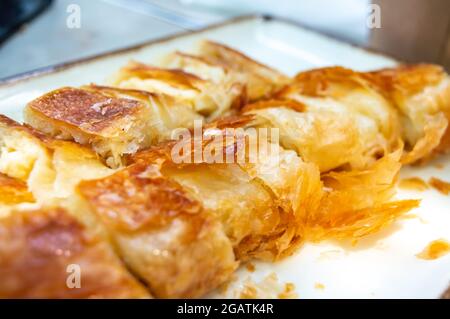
x,y
328,139
166,113
273,187
185,216
111,126
421,94
351,100
50,168
204,96
355,196
407,103
56,252
261,80
228,87
165,236
47,253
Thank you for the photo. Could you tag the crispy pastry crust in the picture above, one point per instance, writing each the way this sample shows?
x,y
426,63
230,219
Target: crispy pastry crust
x,y
262,81
354,202
183,240
177,226
352,90
232,84
8,127
272,195
167,113
358,203
165,236
174,77
163,200
320,82
209,97
410,79
184,60
9,124
413,102
421,93
90,112
330,140
111,125
38,246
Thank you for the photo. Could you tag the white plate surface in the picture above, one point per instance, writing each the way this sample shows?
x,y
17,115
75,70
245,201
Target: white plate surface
x,y
381,266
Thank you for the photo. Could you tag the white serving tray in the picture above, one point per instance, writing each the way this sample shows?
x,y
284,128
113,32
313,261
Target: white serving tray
x,y
383,265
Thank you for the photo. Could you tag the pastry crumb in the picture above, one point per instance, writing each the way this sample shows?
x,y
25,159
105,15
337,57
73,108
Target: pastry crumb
x,y
268,288
319,285
248,292
289,291
440,185
413,183
435,249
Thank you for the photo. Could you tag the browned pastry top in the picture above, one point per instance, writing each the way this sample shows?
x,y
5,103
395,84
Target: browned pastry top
x,y
90,111
36,247
222,52
175,77
407,79
139,198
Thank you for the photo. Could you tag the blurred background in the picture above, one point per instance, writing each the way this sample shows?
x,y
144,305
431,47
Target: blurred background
x,y
39,33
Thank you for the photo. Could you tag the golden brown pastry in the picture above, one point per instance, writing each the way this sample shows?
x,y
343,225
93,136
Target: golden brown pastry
x,y
421,94
52,169
261,80
112,126
167,114
147,103
204,96
335,118
357,203
232,85
182,223
325,138
97,125
350,117
40,248
177,224
345,204
407,103
166,237
272,188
